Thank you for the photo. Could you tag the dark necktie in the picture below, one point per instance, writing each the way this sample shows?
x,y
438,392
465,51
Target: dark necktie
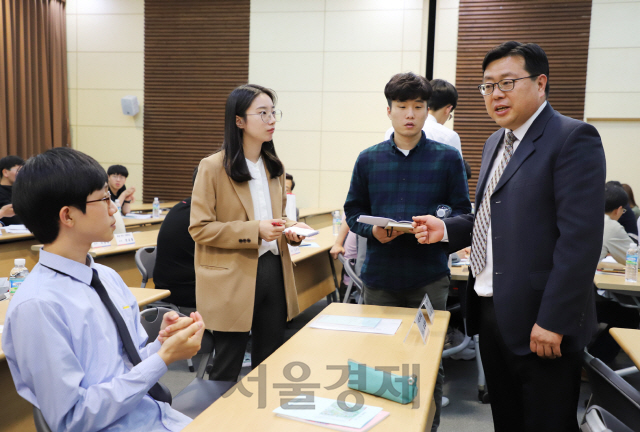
x,y
158,392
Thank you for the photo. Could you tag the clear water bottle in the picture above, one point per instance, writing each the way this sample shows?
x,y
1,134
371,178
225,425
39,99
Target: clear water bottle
x,y
117,202
631,273
17,275
337,221
156,208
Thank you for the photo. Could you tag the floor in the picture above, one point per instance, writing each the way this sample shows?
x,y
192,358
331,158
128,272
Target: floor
x,y
464,412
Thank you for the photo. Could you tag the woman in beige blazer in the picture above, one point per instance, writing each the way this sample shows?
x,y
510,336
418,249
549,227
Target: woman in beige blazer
x,y
244,275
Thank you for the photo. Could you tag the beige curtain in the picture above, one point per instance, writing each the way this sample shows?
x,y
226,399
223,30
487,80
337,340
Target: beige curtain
x,y
34,106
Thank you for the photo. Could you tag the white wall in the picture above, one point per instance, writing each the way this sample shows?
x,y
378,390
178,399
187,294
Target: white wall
x,y
105,53
329,61
613,86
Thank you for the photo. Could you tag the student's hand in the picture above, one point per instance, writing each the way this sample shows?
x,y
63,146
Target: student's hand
x,y
182,345
270,232
381,234
127,195
172,323
545,343
7,211
336,250
428,229
293,237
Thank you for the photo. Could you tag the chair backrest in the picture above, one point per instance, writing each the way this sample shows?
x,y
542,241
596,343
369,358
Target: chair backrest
x,y
597,419
38,419
611,392
146,262
151,320
362,254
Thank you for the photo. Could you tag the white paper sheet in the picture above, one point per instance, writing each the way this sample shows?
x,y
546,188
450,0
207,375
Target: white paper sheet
x,y
385,326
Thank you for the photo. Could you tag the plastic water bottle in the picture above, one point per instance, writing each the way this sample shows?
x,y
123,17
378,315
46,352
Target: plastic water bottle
x,y
117,202
17,275
156,208
631,273
337,221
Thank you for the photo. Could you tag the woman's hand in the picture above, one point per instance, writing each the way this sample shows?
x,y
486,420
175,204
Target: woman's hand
x,y
271,229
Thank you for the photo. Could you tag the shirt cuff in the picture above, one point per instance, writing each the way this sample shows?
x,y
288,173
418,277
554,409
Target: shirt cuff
x,y
152,369
445,238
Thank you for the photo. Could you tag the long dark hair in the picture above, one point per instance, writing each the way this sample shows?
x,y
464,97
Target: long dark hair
x,y
235,165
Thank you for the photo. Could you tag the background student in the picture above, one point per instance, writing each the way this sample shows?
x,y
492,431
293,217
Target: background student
x,y
244,275
9,167
117,177
632,200
72,335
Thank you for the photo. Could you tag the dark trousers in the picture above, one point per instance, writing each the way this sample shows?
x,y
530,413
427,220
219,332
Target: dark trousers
x,y
604,346
267,328
527,393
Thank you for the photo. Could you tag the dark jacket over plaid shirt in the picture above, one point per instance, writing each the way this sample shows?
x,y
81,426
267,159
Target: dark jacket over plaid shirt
x,y
389,184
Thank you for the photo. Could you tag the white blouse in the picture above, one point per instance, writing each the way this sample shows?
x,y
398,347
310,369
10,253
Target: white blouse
x,y
259,187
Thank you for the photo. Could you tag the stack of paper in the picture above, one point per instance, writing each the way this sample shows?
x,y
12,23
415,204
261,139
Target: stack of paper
x,y
357,324
386,223
17,229
328,413
138,216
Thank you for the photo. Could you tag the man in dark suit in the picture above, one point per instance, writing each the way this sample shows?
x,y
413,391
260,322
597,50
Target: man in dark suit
x,y
536,239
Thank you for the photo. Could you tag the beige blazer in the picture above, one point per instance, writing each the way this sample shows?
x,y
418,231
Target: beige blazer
x,y
226,256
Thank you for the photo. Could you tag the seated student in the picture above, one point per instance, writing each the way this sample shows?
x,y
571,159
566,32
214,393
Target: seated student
x,y
72,334
632,201
442,102
627,219
117,176
289,184
174,269
616,243
9,167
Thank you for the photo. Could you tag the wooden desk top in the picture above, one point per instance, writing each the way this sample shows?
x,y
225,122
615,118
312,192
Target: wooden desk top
x,y
131,222
143,239
615,282
313,211
459,272
4,237
144,296
318,349
147,207
629,341
325,240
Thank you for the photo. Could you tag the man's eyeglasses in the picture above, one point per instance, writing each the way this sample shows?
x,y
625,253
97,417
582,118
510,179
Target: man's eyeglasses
x,y
117,176
266,117
107,199
505,85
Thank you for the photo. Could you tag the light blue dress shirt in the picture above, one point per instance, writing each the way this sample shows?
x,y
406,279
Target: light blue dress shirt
x,y
66,356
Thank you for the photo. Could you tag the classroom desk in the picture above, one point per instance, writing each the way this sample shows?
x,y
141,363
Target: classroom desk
x,y
317,217
629,341
151,224
616,283
315,271
16,412
318,349
147,207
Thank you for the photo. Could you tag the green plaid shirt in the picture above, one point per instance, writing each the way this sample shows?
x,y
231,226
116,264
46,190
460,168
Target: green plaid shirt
x,y
387,183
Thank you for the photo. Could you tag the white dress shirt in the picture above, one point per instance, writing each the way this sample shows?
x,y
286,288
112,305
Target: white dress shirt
x,y
259,187
436,132
484,280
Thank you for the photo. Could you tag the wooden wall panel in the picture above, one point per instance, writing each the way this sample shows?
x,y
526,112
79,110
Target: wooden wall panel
x,y
561,28
196,52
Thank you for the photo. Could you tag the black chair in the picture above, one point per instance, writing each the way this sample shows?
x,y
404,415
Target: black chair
x,y
151,320
38,419
612,392
597,419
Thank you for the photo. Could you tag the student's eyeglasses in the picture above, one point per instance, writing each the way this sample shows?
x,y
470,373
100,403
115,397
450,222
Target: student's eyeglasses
x,y
504,85
266,117
106,199
117,176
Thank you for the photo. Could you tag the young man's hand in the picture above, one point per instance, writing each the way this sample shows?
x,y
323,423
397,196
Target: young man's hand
x,y
172,323
428,229
7,211
183,344
127,195
336,250
381,234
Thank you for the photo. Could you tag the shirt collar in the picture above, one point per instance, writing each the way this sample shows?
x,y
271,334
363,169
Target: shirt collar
x,y
522,130
255,165
394,147
81,272
431,120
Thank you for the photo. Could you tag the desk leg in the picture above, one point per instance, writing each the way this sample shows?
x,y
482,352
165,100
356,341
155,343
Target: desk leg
x,y
334,295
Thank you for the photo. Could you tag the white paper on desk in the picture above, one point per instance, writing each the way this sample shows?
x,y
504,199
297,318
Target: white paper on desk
x,y
138,216
95,245
294,250
309,244
386,326
350,320
609,259
327,411
17,229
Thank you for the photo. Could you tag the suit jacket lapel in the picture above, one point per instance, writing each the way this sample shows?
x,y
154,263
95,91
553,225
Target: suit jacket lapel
x,y
485,169
244,193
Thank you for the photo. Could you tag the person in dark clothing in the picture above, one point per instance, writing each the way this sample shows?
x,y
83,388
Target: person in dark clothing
x,y
9,167
174,269
627,220
117,176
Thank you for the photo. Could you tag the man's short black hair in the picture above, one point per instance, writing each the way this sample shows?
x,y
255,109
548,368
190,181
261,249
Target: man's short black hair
x,y
535,59
8,162
118,169
290,177
51,180
614,197
407,86
444,93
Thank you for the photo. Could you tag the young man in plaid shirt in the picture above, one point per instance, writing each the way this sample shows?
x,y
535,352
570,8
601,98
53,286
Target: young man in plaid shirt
x,y
405,176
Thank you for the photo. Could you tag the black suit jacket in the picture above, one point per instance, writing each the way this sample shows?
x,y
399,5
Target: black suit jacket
x,y
546,221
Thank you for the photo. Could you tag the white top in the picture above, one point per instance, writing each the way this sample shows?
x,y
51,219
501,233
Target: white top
x,y
615,241
436,132
259,187
484,280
